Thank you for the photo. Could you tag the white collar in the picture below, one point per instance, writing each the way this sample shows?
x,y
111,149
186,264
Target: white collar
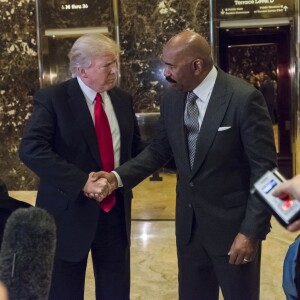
x,y
89,93
203,90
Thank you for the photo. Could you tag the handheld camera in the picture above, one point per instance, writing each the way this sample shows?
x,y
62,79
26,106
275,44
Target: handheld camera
x,y
285,211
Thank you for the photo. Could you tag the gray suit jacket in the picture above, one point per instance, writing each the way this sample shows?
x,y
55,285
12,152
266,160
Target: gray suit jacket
x,y
235,146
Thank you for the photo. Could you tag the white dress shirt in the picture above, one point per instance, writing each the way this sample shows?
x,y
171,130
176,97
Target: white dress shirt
x,y
90,96
203,91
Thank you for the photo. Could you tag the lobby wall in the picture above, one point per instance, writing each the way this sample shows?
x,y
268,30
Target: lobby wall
x,y
144,27
18,81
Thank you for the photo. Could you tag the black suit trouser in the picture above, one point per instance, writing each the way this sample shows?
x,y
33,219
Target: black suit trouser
x,y
111,263
202,274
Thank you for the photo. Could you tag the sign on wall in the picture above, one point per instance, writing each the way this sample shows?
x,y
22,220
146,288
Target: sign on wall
x,y
256,9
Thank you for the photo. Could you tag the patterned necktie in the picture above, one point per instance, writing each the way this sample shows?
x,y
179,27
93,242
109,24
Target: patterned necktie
x,y
191,121
105,144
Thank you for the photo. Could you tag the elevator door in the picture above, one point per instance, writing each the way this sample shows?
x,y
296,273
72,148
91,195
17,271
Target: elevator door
x,y
261,56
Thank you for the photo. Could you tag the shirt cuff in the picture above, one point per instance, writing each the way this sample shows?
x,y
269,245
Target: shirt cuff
x,y
120,183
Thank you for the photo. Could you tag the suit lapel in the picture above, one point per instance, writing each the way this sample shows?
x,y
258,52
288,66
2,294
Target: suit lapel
x,y
83,117
214,115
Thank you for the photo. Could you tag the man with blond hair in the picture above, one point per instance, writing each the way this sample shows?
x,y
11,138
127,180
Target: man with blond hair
x,y
63,144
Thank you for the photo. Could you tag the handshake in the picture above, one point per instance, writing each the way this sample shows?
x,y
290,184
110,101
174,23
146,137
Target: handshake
x,y
99,185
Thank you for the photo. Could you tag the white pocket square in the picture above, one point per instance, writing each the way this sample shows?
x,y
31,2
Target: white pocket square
x,y
224,128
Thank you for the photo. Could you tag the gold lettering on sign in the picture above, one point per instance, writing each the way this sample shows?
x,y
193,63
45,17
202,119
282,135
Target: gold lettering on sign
x,y
72,6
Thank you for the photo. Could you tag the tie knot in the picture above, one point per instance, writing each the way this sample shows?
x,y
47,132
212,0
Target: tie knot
x,y
192,97
98,98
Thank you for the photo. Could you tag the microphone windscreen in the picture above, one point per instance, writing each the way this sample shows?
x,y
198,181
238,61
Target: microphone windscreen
x,y
27,253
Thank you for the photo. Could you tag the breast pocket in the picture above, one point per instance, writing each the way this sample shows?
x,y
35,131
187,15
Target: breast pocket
x,y
224,128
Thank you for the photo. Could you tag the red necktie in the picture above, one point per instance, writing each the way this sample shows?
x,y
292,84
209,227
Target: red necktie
x,y
105,145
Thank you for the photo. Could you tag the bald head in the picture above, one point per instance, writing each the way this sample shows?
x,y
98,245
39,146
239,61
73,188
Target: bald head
x,y
188,60
191,45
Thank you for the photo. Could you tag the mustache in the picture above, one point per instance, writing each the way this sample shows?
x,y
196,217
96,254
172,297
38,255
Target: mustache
x,y
169,79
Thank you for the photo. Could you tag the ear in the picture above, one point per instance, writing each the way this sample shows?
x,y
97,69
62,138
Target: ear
x,y
82,72
198,65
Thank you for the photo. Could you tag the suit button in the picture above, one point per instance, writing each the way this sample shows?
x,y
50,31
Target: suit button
x,y
190,205
62,192
191,184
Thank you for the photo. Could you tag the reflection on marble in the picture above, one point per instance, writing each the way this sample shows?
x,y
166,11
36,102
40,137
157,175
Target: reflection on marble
x,y
245,60
75,13
153,262
153,249
154,267
162,195
18,81
145,27
60,16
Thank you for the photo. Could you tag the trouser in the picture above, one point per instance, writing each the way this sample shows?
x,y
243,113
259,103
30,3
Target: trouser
x,y
202,273
111,263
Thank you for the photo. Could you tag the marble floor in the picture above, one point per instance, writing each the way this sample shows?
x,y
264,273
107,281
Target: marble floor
x,y
153,252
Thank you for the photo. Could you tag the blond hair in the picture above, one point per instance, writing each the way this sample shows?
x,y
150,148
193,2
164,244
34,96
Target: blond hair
x,y
89,46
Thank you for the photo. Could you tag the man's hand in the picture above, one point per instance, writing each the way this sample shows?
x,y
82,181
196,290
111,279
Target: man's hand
x,y
291,189
96,189
243,250
107,183
110,177
295,226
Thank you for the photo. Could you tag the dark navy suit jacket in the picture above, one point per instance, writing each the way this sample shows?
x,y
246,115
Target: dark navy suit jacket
x,y
59,144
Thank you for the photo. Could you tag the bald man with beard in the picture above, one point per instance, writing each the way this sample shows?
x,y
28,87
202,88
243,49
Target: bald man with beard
x,y
219,224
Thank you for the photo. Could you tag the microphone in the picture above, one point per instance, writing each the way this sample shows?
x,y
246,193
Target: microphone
x,y
7,206
27,253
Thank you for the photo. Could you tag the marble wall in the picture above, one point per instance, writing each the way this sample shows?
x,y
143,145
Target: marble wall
x,y
56,19
144,27
18,81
